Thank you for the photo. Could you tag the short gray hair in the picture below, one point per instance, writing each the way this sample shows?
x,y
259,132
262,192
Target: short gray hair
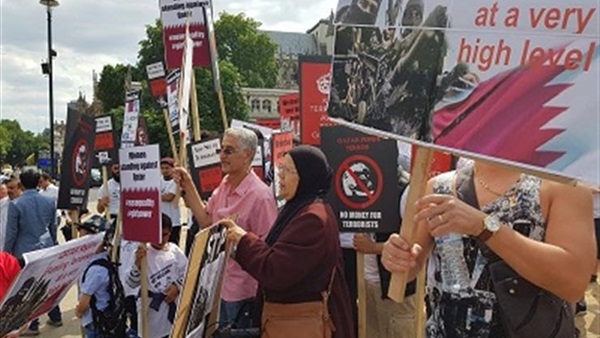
x,y
247,139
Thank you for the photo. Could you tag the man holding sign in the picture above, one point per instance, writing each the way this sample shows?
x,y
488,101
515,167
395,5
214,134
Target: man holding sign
x,y
243,195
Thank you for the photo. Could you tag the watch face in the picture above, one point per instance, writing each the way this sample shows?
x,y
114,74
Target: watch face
x,y
492,223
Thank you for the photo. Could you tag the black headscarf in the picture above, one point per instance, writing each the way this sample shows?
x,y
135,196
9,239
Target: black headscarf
x,y
314,183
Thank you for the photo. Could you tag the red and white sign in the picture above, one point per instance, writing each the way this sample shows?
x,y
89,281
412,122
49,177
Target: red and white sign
x,y
158,82
282,143
140,193
315,81
174,16
206,166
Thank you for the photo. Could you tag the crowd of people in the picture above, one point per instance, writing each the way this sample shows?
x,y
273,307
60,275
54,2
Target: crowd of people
x,y
490,237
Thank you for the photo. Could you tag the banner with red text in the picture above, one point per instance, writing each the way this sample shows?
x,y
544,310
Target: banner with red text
x,y
45,280
282,142
512,81
174,16
315,80
140,193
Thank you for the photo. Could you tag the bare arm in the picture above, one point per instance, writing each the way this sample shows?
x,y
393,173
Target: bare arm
x,y
563,263
167,197
192,198
83,305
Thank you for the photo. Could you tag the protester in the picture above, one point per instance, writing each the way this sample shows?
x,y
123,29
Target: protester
x,y
47,188
31,225
243,195
477,224
111,201
166,271
299,265
169,201
9,270
96,289
14,187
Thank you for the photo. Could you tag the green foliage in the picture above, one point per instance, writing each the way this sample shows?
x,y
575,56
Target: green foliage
x,y
253,53
16,144
247,58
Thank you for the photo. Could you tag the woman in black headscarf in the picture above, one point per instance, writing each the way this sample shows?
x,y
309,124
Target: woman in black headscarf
x,y
300,259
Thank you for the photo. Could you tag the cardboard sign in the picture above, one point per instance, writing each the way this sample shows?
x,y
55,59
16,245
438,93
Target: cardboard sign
x,y
504,82
105,147
200,296
174,15
77,161
365,190
186,84
158,83
140,193
315,80
282,143
131,119
205,166
45,280
173,99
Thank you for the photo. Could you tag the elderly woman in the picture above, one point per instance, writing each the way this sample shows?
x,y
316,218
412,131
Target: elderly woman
x,y
501,245
299,266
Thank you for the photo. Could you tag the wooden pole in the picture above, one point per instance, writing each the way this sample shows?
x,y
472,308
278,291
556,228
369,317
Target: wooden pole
x,y
117,238
170,132
74,216
195,113
362,295
420,304
222,107
144,292
418,183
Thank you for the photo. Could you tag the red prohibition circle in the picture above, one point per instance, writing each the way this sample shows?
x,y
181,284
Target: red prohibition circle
x,y
346,166
79,180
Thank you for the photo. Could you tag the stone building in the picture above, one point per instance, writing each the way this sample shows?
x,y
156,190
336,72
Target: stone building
x,y
318,40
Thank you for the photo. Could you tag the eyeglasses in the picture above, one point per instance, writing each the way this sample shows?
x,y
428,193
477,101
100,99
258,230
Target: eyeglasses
x,y
285,170
227,151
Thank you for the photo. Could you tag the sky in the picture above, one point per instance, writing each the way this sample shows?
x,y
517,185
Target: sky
x,y
90,34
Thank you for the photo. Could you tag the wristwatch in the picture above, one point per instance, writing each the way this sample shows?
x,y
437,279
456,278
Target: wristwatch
x,y
491,224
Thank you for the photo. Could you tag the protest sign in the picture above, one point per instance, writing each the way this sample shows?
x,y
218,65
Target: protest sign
x,y
187,78
174,15
205,166
289,113
504,82
45,280
130,119
77,161
140,193
365,190
197,310
315,81
173,99
158,83
105,147
141,135
282,143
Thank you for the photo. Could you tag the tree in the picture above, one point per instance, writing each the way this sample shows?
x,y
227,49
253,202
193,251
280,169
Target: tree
x,y
152,49
5,141
111,89
253,53
22,143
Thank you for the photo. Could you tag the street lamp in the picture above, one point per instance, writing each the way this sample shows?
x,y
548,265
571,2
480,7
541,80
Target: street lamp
x,y
49,4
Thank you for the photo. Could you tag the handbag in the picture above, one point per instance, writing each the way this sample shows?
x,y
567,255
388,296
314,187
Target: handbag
x,y
299,320
526,310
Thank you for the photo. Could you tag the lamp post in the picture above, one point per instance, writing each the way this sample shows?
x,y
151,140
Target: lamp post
x,y
50,4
